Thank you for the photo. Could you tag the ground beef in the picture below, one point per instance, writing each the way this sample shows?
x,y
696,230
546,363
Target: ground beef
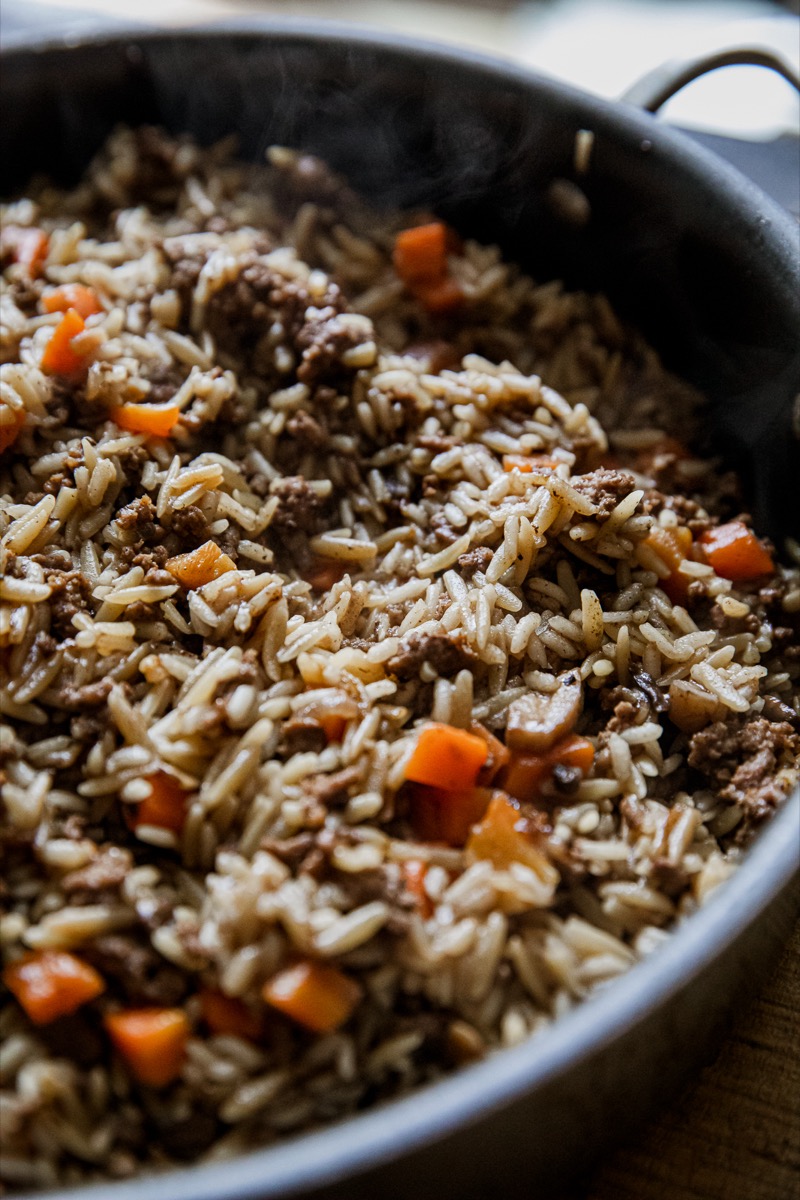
x,y
183,278
306,177
190,527
32,498
164,380
25,294
104,872
447,655
291,850
88,695
605,488
739,759
299,506
159,165
323,340
138,517
624,717
399,494
444,531
158,578
138,971
88,728
78,1037
44,646
437,443
617,698
228,541
239,313
301,735
55,560
307,431
783,636
477,559
751,622
151,560
71,593
689,512
66,472
332,790
386,884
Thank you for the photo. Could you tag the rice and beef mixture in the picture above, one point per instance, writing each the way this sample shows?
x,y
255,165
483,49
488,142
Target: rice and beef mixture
x,y
381,674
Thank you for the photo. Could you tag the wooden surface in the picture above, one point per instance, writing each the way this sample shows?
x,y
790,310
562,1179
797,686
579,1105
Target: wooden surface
x,y
735,1132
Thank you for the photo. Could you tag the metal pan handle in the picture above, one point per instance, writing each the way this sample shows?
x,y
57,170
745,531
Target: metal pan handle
x,y
659,85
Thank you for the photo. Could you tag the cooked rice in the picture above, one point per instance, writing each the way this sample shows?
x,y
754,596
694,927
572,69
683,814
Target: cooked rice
x,y
368,435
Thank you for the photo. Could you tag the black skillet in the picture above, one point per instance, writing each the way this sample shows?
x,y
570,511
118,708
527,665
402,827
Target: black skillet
x,y
709,269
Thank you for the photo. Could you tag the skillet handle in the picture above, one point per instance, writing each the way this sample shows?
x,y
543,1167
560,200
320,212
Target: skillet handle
x,y
659,85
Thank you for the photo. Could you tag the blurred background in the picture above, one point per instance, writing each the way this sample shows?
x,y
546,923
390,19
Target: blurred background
x,y
748,114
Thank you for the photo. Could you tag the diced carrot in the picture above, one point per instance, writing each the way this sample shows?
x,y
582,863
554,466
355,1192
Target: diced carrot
x,y
324,573
672,546
315,995
438,296
200,566
156,420
72,295
26,245
497,757
59,357
421,253
573,751
165,806
10,431
502,839
735,552
229,1015
52,983
446,757
527,773
420,260
528,463
152,1041
413,872
438,815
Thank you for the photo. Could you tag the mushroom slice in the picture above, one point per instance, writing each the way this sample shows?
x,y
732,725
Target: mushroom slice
x,y
537,721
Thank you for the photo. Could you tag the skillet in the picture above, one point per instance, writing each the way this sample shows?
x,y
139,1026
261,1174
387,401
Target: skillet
x,y
709,269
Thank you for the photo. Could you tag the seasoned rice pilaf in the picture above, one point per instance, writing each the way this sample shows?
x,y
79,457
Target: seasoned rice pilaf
x,y
381,673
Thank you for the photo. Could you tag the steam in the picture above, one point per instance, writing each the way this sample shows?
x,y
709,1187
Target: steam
x,y
678,247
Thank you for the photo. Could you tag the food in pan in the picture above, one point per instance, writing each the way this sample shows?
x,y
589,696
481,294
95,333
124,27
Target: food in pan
x,y
382,671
